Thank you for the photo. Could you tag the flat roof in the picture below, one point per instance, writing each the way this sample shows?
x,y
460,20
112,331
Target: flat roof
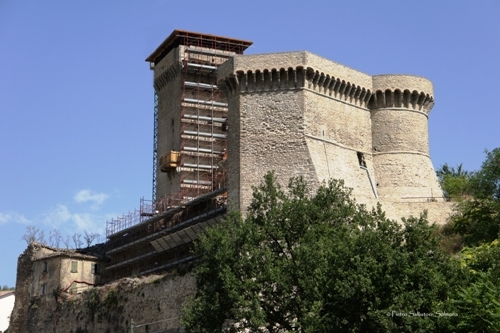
x,y
182,37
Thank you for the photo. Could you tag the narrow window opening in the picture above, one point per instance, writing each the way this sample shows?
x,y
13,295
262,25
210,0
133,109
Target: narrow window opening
x,y
44,289
361,159
95,269
74,267
45,267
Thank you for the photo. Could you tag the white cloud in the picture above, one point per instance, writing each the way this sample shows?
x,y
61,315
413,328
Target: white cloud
x,y
62,218
85,221
13,217
91,196
58,216
4,218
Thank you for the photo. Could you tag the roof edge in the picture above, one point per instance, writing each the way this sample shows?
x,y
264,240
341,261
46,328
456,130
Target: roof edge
x,y
181,36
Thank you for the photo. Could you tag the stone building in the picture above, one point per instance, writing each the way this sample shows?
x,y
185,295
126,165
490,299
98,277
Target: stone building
x,y
44,271
65,270
295,113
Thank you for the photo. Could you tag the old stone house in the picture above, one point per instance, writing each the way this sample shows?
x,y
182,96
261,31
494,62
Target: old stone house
x,y
65,270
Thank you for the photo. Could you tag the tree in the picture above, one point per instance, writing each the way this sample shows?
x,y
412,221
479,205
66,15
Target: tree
x,y
455,183
90,237
477,219
478,301
66,241
77,240
33,234
317,263
55,238
486,182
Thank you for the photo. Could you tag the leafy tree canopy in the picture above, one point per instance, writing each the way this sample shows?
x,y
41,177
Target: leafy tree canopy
x,y
455,183
477,222
478,300
486,182
477,218
318,263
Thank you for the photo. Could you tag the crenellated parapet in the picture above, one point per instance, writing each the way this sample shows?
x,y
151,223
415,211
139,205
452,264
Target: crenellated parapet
x,y
236,77
401,99
166,76
402,91
264,80
337,88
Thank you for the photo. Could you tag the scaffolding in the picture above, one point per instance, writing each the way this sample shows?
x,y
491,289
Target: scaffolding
x,y
155,146
159,234
203,124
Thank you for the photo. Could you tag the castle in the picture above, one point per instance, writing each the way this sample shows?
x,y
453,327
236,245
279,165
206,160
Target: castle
x,y
293,112
222,119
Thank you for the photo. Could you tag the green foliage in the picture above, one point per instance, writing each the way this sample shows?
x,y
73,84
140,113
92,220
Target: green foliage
x,y
93,301
478,301
486,182
450,241
318,263
479,306
484,258
111,300
477,214
477,218
455,183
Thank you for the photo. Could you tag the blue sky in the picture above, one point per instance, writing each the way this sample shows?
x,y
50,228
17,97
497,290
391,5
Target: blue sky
x,y
76,96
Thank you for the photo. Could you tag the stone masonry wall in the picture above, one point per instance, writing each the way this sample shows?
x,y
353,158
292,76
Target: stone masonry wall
x,y
24,287
152,303
169,93
301,114
271,138
336,132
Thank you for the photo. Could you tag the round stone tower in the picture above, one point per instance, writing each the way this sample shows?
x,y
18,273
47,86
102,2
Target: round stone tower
x,y
399,116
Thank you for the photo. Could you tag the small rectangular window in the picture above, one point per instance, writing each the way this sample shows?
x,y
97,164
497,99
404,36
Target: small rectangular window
x,y
95,269
45,267
361,159
74,267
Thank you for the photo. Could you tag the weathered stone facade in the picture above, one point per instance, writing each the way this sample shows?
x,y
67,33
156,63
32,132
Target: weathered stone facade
x,y
43,271
302,115
151,303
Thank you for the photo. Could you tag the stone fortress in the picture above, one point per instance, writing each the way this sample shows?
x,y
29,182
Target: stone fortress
x,y
295,113
223,119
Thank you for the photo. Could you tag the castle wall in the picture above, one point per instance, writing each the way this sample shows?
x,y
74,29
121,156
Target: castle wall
x,y
336,133
371,132
438,212
271,137
233,162
169,89
399,116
